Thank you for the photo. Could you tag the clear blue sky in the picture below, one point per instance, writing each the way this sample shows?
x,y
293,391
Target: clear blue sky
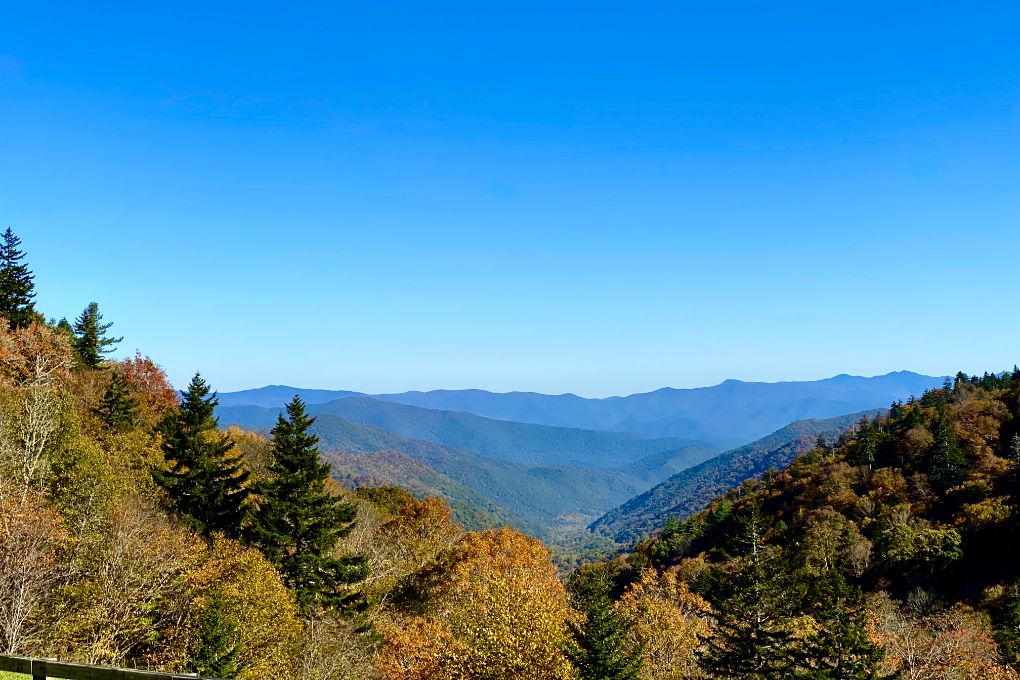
x,y
592,197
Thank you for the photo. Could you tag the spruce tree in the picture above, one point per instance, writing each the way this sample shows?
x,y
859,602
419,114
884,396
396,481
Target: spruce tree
x,y
1013,475
947,464
753,638
205,480
17,287
840,649
217,652
599,646
119,408
90,339
299,522
863,452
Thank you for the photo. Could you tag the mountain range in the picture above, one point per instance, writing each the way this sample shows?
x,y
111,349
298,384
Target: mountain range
x,y
731,413
555,464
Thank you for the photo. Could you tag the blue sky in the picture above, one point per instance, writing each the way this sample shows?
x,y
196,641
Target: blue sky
x,y
594,197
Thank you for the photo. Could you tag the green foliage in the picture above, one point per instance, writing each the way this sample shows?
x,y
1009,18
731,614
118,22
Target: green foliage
x,y
90,339
839,648
119,408
17,287
754,638
1013,476
687,492
599,648
299,523
205,480
217,652
948,466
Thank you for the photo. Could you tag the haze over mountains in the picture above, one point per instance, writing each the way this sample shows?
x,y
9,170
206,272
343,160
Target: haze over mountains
x,y
552,464
729,414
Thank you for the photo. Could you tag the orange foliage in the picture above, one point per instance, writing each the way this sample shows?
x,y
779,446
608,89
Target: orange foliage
x,y
149,383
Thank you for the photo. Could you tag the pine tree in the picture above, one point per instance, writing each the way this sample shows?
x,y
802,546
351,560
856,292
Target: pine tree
x,y
753,637
599,647
217,652
840,649
947,464
90,339
863,452
119,408
17,288
205,481
299,522
1013,475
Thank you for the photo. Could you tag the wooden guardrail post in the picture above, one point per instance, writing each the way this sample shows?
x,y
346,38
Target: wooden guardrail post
x,y
46,669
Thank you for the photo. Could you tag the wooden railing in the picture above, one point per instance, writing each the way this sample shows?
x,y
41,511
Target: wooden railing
x,y
40,669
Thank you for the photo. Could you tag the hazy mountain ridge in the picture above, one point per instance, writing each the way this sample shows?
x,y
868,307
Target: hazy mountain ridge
x,y
499,439
728,414
545,495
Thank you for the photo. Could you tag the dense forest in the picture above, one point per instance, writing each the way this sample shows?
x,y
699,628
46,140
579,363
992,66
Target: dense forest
x,y
136,531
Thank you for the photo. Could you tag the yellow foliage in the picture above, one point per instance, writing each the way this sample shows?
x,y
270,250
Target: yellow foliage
x,y
258,603
495,602
669,622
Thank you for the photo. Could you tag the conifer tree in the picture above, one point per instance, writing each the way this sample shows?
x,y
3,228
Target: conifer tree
x,y
840,649
948,464
863,452
17,287
205,481
753,638
217,652
599,649
90,339
1013,475
119,408
299,522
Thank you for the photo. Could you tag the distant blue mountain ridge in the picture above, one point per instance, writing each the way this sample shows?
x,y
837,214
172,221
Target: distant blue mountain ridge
x,y
729,414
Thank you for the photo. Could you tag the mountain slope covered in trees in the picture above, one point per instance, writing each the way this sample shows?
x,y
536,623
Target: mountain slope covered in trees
x,y
690,490
893,552
546,496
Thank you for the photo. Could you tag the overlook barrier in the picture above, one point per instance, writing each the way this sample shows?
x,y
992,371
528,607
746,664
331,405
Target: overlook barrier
x,y
41,669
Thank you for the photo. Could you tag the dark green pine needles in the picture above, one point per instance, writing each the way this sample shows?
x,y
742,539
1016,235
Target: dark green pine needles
x,y
218,650
90,339
205,482
17,290
119,408
299,522
599,649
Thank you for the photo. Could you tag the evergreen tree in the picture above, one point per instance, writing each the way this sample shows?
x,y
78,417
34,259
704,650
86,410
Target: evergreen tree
x,y
217,652
17,287
119,408
90,339
599,646
1013,476
840,649
299,522
863,452
753,638
947,464
205,481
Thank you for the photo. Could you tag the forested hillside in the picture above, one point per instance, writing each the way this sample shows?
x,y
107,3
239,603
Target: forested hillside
x,y
526,469
691,490
892,552
134,531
